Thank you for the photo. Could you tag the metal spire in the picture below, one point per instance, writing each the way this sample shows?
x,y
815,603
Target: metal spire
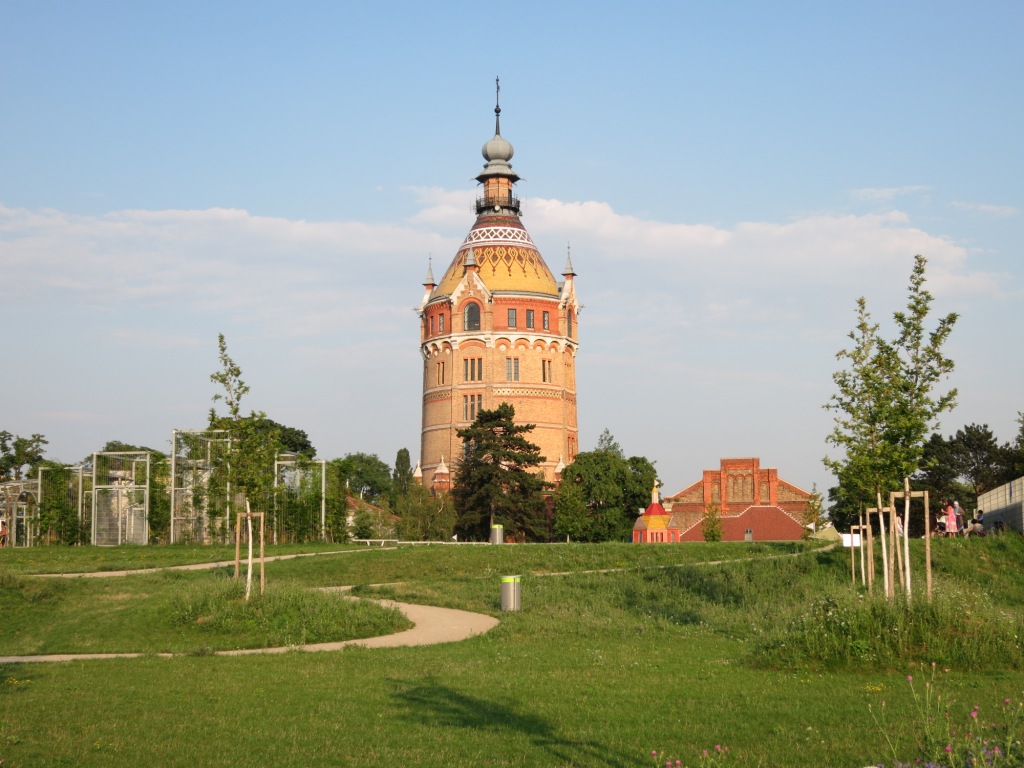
x,y
568,270
497,106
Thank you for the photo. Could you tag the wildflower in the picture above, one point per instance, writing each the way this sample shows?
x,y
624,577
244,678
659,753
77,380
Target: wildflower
x,y
948,749
910,678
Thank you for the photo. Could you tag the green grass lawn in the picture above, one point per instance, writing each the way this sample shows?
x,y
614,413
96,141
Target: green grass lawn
x,y
59,559
597,669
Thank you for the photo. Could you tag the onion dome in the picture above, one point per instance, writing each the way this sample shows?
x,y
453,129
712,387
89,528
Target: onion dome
x,y
497,151
498,245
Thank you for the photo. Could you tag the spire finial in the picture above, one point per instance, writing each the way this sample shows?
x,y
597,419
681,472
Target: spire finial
x,y
497,106
568,269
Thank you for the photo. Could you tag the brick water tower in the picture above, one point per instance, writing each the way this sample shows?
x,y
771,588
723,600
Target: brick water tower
x,y
498,328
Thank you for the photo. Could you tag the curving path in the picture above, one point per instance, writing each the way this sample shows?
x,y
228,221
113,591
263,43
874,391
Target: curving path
x,y
431,625
195,566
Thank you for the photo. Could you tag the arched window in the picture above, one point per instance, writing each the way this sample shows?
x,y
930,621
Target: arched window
x,y
472,317
568,323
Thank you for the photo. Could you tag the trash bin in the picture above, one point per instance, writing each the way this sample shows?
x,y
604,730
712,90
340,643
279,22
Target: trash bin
x,y
510,586
497,534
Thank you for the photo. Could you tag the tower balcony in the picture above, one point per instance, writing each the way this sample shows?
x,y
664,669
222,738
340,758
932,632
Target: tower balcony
x,y
507,202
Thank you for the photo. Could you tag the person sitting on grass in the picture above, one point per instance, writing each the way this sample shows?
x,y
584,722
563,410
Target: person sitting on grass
x,y
975,528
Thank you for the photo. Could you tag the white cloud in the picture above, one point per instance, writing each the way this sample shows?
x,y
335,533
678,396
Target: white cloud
x,y
885,194
286,277
740,322
987,209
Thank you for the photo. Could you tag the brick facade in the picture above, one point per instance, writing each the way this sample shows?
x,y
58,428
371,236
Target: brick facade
x,y
498,328
754,504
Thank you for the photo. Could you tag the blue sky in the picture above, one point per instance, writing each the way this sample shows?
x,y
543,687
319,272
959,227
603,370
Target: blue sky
x,y
730,176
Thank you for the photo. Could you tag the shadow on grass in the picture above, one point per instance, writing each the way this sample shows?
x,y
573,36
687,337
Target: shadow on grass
x,y
440,706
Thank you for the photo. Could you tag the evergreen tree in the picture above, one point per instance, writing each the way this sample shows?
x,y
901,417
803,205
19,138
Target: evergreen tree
x,y
966,465
495,482
401,478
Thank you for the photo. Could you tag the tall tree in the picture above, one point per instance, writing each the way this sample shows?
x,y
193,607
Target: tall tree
x,y
978,458
920,366
611,488
496,482
425,517
939,474
18,454
572,517
253,446
401,478
608,444
887,402
365,475
967,464
289,438
1015,453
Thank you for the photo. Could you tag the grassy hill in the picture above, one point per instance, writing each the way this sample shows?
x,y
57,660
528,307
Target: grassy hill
x,y
618,651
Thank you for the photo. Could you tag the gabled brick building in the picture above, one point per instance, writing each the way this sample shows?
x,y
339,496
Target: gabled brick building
x,y
753,505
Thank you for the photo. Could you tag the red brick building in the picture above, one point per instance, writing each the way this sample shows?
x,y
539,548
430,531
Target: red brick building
x,y
753,505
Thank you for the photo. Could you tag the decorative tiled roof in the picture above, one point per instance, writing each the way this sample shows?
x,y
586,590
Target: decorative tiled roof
x,y
506,259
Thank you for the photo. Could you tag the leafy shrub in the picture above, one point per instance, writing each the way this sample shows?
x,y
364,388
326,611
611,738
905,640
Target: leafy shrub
x,y
958,627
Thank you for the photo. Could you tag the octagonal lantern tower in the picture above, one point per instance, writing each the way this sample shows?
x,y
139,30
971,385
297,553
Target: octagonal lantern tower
x,y
498,328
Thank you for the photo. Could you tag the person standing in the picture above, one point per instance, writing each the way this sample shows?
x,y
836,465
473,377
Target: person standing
x,y
952,528
959,517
